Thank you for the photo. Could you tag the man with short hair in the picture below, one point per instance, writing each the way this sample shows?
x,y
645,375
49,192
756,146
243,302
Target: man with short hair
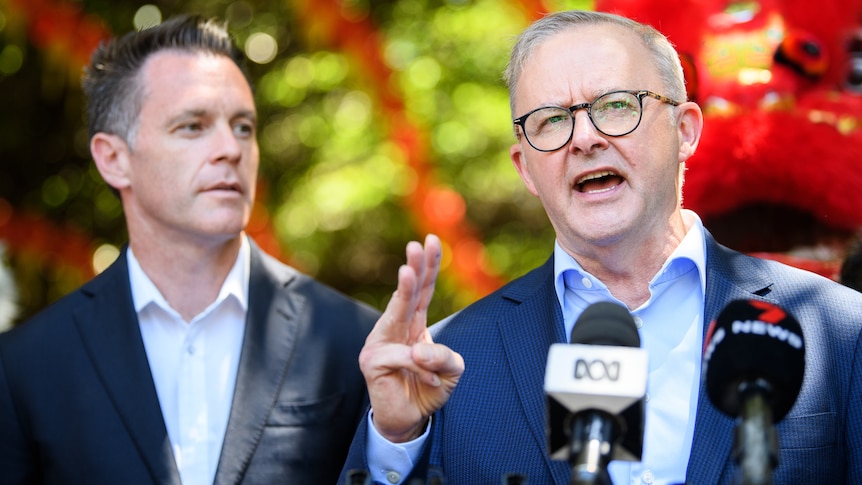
x,y
603,133
195,358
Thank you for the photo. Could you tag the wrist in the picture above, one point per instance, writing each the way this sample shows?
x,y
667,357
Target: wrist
x,y
395,436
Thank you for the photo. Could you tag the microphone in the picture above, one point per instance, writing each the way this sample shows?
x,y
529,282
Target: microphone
x,y
754,362
595,390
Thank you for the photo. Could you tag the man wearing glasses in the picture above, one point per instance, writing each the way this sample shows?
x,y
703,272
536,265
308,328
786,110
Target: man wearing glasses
x,y
603,132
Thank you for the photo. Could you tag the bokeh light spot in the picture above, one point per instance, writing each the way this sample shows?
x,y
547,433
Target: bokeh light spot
x,y
239,14
354,112
261,48
104,256
424,73
55,191
11,59
147,16
299,72
330,69
444,207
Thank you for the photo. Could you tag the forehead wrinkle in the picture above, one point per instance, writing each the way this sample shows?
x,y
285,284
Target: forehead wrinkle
x,y
623,58
547,80
573,99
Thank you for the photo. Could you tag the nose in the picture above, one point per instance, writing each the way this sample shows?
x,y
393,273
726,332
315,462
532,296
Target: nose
x,y
226,144
585,137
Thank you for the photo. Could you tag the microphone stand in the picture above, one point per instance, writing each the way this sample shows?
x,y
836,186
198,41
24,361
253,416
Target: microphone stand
x,y
593,436
756,442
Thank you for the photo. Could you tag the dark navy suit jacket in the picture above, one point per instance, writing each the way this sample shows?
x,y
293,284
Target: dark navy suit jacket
x,y
494,422
78,404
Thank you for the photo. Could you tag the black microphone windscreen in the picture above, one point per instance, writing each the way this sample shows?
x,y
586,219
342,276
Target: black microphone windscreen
x,y
606,323
602,323
754,340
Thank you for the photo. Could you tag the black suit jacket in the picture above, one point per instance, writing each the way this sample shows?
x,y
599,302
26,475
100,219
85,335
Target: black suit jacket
x,y
78,403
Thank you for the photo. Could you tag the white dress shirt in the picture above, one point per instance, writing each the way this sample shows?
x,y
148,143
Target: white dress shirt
x,y
194,364
670,325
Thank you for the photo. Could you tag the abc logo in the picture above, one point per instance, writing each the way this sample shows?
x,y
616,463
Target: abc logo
x,y
597,370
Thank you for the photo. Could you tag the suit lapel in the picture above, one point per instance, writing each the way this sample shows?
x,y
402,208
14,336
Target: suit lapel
x,y
111,336
527,333
270,336
713,432
727,271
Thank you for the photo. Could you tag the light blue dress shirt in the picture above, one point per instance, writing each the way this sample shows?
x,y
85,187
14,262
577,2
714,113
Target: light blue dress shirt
x,y
670,324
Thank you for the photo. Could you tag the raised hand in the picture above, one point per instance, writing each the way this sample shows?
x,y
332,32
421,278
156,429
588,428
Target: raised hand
x,y
409,377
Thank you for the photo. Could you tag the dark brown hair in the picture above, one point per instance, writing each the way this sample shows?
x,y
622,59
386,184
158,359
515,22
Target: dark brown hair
x,y
111,80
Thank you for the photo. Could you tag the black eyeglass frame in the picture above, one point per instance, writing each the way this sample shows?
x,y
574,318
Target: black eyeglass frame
x,y
640,94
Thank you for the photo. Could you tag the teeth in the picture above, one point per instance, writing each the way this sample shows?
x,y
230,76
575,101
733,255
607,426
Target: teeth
x,y
593,176
599,191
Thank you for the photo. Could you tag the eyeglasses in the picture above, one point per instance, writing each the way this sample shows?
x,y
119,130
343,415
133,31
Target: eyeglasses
x,y
617,113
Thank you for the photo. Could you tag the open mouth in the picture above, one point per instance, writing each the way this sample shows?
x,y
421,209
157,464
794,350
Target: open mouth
x,y
598,182
784,234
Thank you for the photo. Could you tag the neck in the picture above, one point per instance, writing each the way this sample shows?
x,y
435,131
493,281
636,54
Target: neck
x,y
189,276
628,266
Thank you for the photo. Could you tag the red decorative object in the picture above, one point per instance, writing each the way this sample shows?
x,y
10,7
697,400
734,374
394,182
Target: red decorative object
x,y
52,244
62,27
781,87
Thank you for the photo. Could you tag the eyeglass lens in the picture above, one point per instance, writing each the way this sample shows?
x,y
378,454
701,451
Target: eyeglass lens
x,y
613,114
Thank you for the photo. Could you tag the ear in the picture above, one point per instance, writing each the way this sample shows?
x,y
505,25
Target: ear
x,y
111,154
519,160
690,126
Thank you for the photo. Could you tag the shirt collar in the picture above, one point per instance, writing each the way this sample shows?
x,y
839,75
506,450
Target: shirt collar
x,y
144,292
692,248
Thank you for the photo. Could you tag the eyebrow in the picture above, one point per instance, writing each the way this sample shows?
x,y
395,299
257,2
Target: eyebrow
x,y
593,95
185,114
252,115
198,113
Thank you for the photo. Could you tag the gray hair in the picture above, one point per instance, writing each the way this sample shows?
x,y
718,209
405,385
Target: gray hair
x,y
665,56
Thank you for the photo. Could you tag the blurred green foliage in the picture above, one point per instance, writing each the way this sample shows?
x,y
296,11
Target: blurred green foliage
x,y
335,182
